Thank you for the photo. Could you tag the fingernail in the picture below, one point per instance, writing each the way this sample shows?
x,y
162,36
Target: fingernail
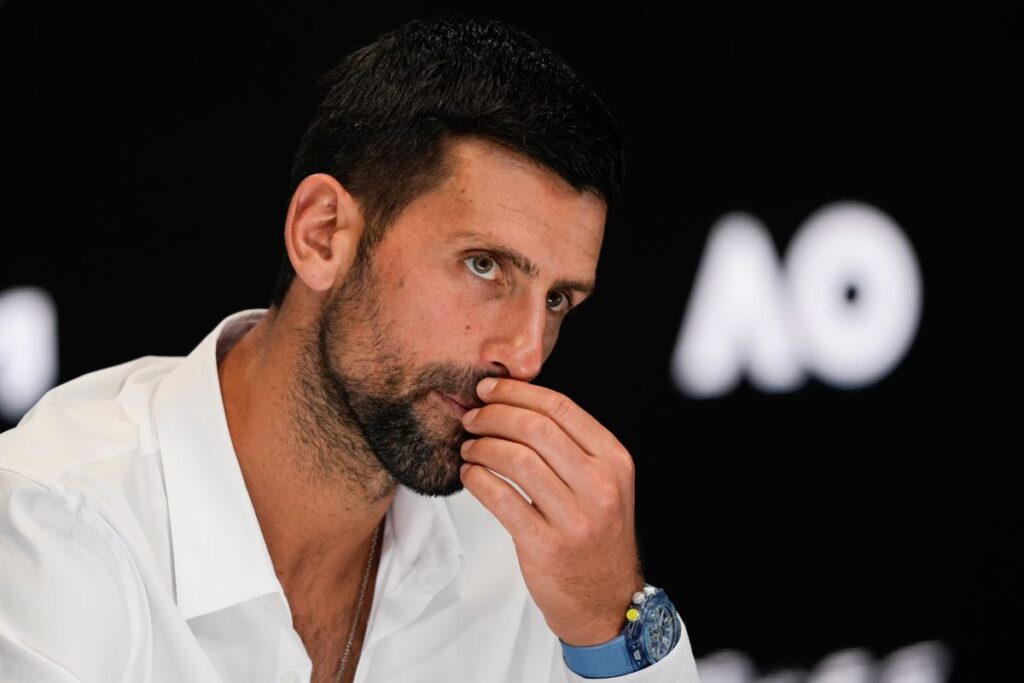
x,y
468,417
486,384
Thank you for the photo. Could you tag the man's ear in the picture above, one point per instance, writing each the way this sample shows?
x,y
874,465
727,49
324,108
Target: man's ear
x,y
322,232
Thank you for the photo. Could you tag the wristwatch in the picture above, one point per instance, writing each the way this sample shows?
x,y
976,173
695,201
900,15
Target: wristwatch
x,y
651,631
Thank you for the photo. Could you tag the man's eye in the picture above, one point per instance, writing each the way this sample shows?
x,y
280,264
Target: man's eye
x,y
482,265
487,267
565,303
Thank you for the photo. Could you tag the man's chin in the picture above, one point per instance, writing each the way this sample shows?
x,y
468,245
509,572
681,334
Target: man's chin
x,y
441,492
440,477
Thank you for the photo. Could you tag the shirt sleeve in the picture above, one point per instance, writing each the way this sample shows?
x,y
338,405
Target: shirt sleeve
x,y
69,607
678,666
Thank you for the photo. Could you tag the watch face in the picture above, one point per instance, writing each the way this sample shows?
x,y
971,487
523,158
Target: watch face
x,y
659,632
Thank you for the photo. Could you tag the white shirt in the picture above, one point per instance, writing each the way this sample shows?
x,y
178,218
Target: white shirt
x,y
130,551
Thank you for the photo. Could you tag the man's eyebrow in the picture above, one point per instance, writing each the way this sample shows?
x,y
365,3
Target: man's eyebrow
x,y
521,262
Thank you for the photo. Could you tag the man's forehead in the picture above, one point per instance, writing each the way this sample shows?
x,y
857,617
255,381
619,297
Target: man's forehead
x,y
478,164
491,182
473,149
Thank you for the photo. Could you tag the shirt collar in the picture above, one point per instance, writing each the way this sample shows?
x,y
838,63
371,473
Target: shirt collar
x,y
219,554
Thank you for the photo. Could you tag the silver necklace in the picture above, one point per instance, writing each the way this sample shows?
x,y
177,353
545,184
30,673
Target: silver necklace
x,y
359,607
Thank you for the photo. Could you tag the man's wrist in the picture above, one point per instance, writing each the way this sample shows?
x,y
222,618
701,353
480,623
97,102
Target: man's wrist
x,y
617,656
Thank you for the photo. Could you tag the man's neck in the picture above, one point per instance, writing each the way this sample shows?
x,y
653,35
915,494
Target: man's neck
x,y
317,524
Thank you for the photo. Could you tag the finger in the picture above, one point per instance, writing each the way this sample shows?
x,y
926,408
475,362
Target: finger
x,y
530,428
580,425
529,471
521,519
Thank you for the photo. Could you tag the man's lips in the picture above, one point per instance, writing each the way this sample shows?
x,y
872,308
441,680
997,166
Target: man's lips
x,y
462,406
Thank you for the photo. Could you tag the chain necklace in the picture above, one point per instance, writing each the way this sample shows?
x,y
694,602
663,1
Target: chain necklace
x,y
359,606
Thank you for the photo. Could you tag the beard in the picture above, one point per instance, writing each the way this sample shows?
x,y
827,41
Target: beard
x,y
359,397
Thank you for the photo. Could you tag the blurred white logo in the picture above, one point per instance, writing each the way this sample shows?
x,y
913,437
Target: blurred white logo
x,y
926,662
844,305
28,349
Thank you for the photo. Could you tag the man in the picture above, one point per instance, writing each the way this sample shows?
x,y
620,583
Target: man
x,y
218,517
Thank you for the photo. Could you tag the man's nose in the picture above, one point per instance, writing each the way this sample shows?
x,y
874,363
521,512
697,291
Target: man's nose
x,y
519,343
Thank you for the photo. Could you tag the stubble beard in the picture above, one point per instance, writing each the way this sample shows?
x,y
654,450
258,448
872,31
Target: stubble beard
x,y
362,432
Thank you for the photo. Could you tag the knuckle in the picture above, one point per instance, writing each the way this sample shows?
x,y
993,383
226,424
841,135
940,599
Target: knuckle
x,y
524,519
503,500
607,497
558,405
506,495
628,465
587,533
521,460
538,426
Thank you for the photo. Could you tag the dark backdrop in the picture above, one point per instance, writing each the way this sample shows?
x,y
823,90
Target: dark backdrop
x,y
144,164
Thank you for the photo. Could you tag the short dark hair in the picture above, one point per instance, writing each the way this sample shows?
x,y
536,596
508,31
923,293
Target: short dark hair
x,y
391,107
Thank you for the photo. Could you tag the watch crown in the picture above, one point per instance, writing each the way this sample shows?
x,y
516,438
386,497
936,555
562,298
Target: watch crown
x,y
638,598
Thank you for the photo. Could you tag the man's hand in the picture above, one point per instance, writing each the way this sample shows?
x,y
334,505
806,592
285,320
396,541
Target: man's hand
x,y
577,541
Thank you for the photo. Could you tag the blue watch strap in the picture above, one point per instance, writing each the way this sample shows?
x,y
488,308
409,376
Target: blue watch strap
x,y
612,658
599,661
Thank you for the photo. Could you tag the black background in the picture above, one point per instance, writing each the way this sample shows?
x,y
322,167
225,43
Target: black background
x,y
144,168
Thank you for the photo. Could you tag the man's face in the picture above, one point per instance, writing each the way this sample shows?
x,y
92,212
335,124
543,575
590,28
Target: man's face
x,y
439,308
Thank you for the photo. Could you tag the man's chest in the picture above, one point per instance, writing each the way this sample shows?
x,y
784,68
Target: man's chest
x,y
326,638
325,652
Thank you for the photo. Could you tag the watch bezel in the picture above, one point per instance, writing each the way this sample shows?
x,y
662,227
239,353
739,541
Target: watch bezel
x,y
634,631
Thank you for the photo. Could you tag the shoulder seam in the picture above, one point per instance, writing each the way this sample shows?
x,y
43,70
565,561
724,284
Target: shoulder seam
x,y
117,557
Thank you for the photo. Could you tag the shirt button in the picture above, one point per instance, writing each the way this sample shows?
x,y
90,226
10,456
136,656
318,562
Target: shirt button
x,y
291,677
